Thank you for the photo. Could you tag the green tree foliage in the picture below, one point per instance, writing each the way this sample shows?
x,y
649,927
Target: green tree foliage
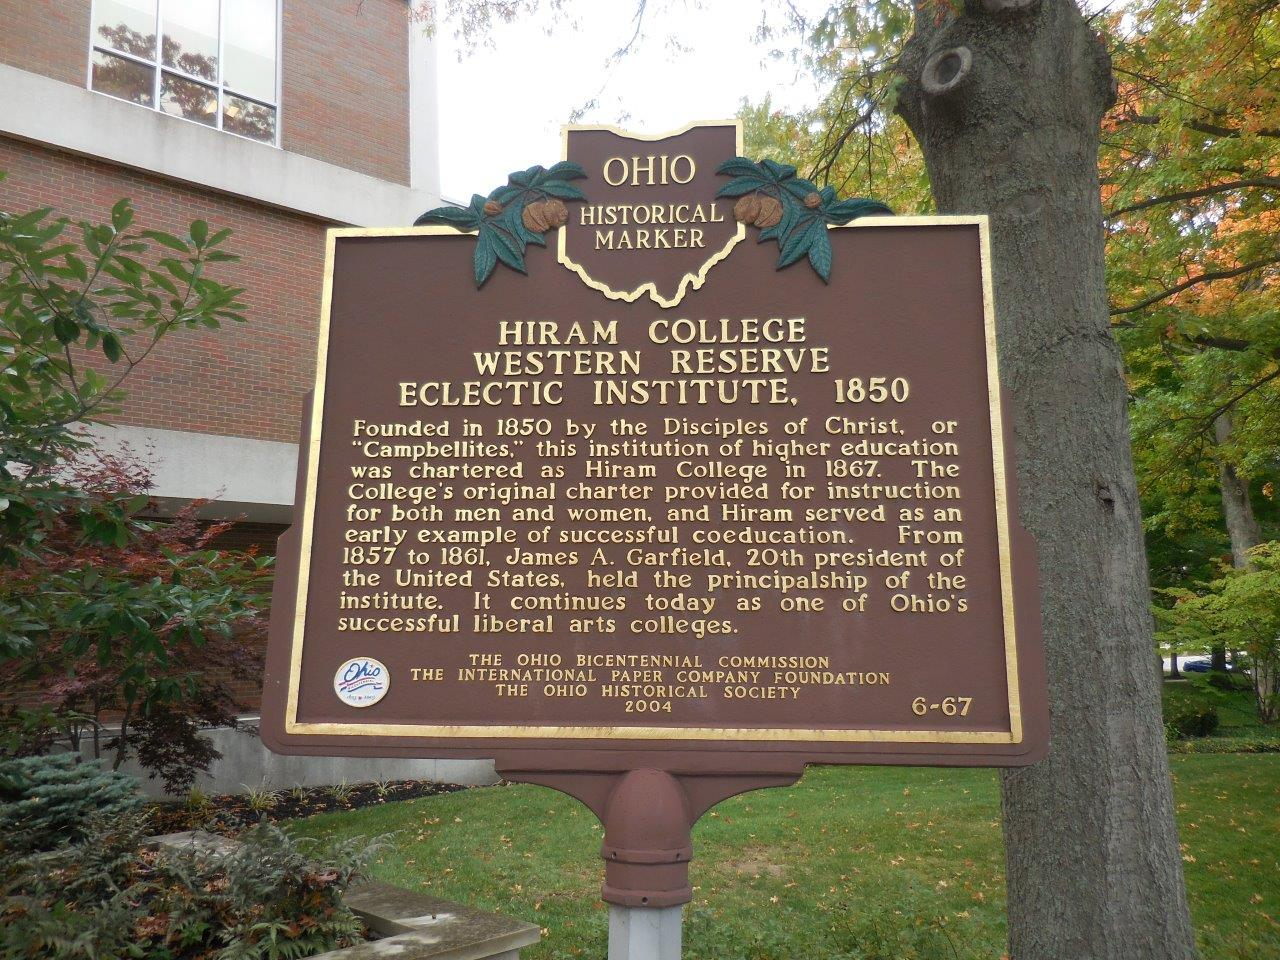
x,y
99,609
1240,609
1191,174
63,301
852,139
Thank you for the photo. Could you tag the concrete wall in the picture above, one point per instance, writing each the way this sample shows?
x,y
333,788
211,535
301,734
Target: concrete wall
x,y
243,477
247,764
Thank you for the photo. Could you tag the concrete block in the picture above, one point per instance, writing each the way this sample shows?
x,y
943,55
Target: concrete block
x,y
246,764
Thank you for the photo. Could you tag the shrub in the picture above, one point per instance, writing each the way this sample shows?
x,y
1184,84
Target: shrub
x,y
267,899
1202,722
50,801
1249,743
1193,695
105,614
109,896
78,902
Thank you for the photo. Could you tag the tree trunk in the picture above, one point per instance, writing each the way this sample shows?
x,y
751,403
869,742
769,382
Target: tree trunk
x,y
1006,98
1266,687
1237,511
1245,534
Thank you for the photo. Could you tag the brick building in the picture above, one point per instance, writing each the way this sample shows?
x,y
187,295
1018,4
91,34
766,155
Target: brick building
x,y
276,118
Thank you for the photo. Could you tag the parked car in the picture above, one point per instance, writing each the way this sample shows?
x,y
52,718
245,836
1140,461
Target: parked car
x,y
1200,664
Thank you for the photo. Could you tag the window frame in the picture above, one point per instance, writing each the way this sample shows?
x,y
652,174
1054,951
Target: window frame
x,y
217,86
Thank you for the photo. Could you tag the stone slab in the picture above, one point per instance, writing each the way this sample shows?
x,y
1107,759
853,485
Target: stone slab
x,y
453,931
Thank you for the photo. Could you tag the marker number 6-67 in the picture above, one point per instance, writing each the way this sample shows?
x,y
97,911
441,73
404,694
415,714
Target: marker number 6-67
x,y
947,706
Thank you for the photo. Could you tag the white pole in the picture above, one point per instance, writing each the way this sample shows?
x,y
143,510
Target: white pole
x,y
644,933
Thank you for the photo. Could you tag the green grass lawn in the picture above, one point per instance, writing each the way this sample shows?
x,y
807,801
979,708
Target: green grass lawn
x,y
852,862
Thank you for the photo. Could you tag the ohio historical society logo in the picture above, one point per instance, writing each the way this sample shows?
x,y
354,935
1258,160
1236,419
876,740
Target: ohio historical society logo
x,y
361,682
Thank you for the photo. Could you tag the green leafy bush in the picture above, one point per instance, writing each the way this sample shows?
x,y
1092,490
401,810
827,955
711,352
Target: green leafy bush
x,y
110,895
1240,611
1193,695
105,615
1249,743
1201,722
270,898
49,801
78,902
1239,730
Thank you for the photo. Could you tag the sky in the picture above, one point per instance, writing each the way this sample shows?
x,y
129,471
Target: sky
x,y
502,106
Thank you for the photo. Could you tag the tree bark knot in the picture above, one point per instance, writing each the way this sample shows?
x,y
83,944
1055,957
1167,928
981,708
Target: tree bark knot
x,y
946,70
1102,490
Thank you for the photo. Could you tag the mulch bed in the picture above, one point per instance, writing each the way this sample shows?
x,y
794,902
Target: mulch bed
x,y
230,813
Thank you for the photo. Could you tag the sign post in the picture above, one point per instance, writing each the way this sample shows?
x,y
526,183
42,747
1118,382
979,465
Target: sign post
x,y
656,475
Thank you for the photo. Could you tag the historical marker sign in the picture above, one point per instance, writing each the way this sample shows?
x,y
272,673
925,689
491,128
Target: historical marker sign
x,y
657,502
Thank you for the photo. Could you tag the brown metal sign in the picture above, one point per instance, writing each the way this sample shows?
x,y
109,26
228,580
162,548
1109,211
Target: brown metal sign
x,y
640,498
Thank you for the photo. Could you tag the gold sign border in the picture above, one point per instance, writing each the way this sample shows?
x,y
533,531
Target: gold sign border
x,y
690,281
773,734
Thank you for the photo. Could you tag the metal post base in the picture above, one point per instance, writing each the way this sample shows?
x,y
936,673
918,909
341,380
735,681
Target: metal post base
x,y
645,933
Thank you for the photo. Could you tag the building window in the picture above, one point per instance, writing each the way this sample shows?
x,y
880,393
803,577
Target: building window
x,y
214,62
